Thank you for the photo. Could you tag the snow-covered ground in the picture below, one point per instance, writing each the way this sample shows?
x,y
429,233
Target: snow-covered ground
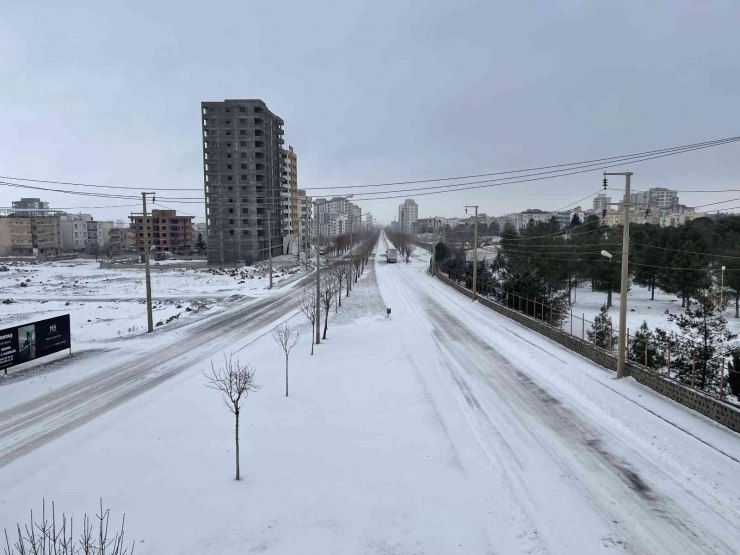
x,y
641,308
444,428
106,304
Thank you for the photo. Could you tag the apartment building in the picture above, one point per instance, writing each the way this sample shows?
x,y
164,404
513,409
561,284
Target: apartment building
x,y
242,165
601,203
73,229
121,239
290,192
22,235
408,213
167,231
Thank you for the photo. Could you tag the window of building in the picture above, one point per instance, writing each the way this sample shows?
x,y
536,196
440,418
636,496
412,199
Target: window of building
x,y
228,166
243,121
205,111
231,232
245,232
228,133
229,177
243,143
243,155
231,210
228,155
242,109
244,177
244,167
242,132
228,145
257,144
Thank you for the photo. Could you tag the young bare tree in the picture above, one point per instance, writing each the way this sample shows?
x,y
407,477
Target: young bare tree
x,y
56,537
410,248
307,303
235,382
328,290
340,269
287,336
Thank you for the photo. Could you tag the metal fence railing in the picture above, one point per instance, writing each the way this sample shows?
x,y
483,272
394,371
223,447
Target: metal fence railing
x,y
703,368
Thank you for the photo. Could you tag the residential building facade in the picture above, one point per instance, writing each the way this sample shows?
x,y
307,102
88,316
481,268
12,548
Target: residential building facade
x,y
242,163
601,203
408,213
167,231
73,229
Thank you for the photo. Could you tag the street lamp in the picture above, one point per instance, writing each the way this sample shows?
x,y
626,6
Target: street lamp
x,y
475,252
606,254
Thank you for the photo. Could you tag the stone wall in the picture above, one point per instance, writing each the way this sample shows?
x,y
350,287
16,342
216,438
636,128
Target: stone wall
x,y
713,408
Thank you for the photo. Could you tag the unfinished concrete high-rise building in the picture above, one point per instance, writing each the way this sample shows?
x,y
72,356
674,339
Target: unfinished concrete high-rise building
x,y
242,148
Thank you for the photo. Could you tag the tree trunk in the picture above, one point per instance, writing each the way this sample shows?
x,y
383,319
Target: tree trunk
x,y
286,375
313,335
737,304
652,287
609,298
570,289
326,322
236,436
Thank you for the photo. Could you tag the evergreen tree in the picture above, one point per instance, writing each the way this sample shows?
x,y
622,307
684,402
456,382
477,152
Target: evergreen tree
x,y
644,340
575,220
704,331
200,243
494,228
733,375
442,252
602,330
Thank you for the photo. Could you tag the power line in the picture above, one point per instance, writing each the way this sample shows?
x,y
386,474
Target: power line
x,y
638,154
488,185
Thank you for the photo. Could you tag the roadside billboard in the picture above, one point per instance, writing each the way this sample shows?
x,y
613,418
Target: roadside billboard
x,y
20,344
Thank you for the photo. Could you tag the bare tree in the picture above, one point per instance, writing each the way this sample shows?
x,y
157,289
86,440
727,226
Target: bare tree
x,y
307,304
328,290
42,537
235,382
410,248
340,269
287,337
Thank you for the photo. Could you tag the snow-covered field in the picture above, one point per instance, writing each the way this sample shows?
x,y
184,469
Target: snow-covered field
x,y
640,308
106,304
444,428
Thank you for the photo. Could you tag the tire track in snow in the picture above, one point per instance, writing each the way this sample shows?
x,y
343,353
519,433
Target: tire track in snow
x,y
583,452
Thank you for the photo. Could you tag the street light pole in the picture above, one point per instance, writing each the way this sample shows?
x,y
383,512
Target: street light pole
x,y
722,292
621,354
269,245
475,253
148,278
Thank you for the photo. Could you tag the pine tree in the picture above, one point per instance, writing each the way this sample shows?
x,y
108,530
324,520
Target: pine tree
x,y
200,243
602,330
733,375
704,331
644,340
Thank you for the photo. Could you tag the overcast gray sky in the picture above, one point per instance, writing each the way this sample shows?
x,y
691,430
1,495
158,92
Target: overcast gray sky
x,y
372,91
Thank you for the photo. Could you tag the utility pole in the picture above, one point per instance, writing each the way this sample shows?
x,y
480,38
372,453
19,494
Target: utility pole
x,y
434,248
475,252
306,233
625,275
269,245
318,281
148,279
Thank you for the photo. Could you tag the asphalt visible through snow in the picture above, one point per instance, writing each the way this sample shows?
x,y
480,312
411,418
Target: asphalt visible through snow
x,y
31,424
576,483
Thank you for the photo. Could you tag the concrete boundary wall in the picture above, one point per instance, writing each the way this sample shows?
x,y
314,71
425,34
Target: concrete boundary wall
x,y
713,408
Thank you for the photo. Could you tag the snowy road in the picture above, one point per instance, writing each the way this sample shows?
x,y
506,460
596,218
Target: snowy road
x,y
581,466
27,425
445,428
